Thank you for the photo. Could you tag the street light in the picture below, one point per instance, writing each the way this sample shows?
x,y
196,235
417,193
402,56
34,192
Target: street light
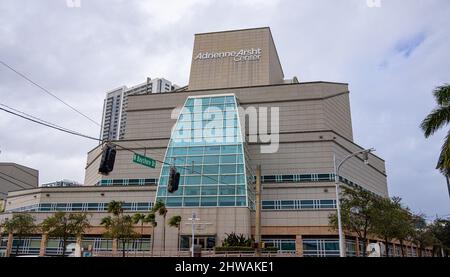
x,y
365,154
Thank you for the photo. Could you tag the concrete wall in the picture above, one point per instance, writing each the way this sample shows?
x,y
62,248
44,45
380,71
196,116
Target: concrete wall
x,y
16,177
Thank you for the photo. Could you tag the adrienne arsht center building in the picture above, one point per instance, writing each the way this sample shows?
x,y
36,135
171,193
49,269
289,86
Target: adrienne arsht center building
x,y
232,72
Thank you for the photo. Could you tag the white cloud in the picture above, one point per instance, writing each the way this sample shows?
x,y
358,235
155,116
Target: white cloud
x,y
81,53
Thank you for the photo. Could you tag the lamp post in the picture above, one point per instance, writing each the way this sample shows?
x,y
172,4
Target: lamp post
x,y
337,167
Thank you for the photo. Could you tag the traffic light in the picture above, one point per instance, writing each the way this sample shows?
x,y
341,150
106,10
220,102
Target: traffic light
x,y
107,161
174,180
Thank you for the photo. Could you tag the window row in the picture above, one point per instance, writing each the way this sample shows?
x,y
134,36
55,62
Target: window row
x,y
298,204
207,201
298,178
81,207
295,178
206,179
180,159
204,150
128,182
209,170
204,190
203,101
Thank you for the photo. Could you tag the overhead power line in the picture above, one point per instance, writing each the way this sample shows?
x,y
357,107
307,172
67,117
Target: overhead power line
x,y
62,129
50,125
47,91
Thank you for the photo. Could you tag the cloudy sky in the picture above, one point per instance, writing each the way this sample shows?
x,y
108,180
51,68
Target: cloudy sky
x,y
392,56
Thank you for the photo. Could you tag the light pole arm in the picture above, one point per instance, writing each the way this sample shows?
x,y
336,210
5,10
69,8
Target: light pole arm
x,y
338,167
337,181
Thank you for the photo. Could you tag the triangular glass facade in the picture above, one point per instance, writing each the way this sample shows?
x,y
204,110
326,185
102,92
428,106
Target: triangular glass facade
x,y
207,147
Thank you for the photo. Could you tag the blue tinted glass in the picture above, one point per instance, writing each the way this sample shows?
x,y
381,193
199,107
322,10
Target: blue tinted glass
x,y
192,180
227,190
228,179
229,149
209,190
210,169
211,159
206,156
227,169
240,201
228,159
174,201
192,190
210,179
208,201
212,150
217,100
227,201
191,201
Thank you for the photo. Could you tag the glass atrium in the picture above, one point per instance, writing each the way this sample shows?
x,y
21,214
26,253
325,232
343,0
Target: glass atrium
x,y
207,147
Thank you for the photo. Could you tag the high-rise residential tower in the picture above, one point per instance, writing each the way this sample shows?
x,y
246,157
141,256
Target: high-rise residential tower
x,y
116,102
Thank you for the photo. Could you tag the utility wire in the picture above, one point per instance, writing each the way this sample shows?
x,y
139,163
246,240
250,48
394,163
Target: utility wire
x,y
13,183
17,179
47,91
62,129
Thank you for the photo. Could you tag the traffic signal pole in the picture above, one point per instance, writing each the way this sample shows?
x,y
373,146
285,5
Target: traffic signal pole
x,y
258,212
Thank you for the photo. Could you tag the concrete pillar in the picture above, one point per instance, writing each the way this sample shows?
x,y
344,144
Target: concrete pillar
x,y
114,246
394,250
43,246
299,245
9,245
357,246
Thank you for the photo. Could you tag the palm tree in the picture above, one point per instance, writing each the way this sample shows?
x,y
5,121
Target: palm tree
x,y
115,207
175,221
437,119
161,209
152,220
142,219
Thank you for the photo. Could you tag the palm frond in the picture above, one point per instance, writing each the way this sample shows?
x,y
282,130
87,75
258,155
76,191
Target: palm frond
x,y
444,158
435,120
442,95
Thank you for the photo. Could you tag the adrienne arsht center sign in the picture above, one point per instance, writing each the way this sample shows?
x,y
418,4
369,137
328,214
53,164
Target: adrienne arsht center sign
x,y
252,54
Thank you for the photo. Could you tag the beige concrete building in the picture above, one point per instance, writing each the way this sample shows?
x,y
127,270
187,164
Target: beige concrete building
x,y
16,177
234,75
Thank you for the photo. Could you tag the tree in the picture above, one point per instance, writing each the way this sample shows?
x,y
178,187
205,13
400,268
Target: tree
x,y
357,212
152,220
119,226
64,226
404,225
175,221
161,209
115,207
21,225
385,219
421,236
441,231
142,219
437,119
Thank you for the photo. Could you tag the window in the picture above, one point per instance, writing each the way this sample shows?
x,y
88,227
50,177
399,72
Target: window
x,y
92,206
209,190
191,201
307,204
174,201
211,165
227,201
192,180
208,201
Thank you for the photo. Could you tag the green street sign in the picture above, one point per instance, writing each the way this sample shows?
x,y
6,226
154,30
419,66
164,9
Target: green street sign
x,y
141,159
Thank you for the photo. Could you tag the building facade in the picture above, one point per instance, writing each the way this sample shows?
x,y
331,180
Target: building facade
x,y
15,177
237,112
115,105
